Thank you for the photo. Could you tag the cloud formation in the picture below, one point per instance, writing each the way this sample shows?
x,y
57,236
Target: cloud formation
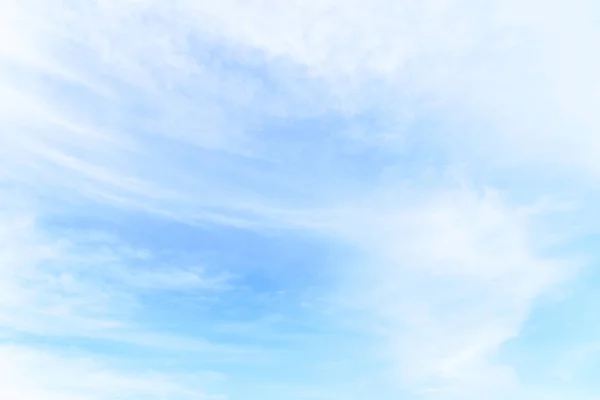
x,y
315,191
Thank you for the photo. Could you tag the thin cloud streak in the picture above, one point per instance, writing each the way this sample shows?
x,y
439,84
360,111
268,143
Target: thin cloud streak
x,y
193,111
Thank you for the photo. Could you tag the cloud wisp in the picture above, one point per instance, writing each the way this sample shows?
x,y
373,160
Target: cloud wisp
x,y
281,198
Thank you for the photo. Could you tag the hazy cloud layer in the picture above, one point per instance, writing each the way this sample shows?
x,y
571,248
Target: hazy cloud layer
x,y
302,199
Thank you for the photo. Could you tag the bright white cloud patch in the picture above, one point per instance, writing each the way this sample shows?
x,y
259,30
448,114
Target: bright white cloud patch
x,y
32,374
212,189
451,278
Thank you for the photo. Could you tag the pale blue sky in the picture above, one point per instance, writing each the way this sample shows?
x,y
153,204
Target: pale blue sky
x,y
303,200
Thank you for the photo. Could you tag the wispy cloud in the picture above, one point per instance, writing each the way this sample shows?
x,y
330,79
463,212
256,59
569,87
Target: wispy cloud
x,y
38,374
284,184
56,290
447,279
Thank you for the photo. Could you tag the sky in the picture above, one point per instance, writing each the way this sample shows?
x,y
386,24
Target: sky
x,y
302,200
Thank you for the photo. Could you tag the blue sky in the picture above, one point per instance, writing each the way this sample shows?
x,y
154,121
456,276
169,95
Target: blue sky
x,y
309,200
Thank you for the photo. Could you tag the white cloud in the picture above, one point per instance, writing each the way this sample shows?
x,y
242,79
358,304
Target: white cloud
x,y
517,83
518,76
447,279
92,95
28,373
57,288
77,284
